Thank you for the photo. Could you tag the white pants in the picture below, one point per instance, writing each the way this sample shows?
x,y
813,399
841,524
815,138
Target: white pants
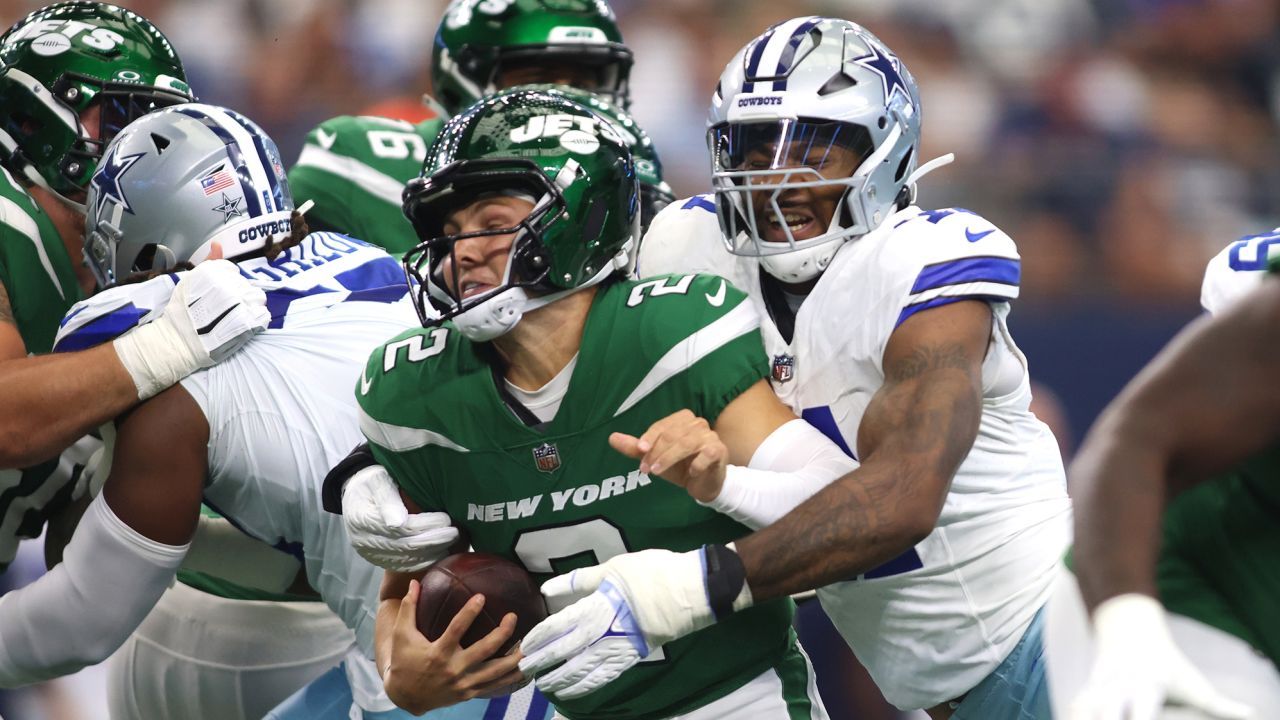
x,y
201,657
760,699
1229,663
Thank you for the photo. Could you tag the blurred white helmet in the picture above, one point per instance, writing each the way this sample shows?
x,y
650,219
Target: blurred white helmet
x,y
177,183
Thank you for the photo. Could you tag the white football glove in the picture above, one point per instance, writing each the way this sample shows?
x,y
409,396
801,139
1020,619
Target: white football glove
x,y
1138,669
212,313
384,532
637,602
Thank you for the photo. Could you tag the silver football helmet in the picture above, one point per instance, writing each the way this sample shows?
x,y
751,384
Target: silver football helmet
x,y
180,185
812,103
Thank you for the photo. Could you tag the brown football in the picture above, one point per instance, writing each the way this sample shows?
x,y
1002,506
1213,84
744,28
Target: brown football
x,y
506,587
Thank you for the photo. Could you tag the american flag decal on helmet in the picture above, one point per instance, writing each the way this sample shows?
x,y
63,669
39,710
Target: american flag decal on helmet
x,y
784,368
546,457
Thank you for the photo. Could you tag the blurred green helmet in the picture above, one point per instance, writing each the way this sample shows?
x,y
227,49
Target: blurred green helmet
x,y
485,45
655,193
574,167
57,62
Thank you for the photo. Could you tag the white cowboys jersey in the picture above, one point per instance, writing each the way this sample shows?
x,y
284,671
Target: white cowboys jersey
x,y
282,411
1238,269
934,622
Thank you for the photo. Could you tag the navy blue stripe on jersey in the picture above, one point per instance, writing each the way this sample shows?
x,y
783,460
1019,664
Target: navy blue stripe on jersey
x,y
279,300
753,65
277,192
102,329
910,310
906,562
789,53
700,201
999,270
378,273
539,707
252,204
497,708
824,422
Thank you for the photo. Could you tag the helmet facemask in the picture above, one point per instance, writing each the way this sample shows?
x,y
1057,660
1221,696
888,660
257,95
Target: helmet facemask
x,y
429,201
771,180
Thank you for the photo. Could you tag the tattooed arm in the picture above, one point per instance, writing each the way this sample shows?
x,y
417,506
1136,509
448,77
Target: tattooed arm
x,y
917,429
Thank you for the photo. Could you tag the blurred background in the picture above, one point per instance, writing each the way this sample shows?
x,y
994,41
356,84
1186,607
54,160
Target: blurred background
x,y
1121,143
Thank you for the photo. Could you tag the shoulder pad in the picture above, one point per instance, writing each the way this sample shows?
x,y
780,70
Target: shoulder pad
x,y
685,238
112,312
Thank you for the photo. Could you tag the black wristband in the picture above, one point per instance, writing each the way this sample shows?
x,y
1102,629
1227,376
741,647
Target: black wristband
x,y
725,577
331,491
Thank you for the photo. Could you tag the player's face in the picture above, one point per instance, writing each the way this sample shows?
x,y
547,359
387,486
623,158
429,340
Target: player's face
x,y
477,265
807,211
558,72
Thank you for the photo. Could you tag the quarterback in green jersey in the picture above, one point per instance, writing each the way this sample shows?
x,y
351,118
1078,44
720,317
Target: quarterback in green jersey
x,y
71,75
1177,533
355,167
538,366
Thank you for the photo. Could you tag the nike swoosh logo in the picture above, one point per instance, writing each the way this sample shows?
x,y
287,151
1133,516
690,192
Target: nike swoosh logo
x,y
326,139
718,299
205,330
365,384
972,236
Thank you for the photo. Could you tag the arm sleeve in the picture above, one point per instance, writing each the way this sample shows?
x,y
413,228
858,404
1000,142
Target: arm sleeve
x,y
789,467
85,608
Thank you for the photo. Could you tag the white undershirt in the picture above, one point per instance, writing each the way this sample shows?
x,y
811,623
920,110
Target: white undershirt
x,y
545,401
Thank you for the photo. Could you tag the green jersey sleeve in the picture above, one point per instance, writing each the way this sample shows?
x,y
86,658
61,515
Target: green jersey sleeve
x,y
355,169
35,270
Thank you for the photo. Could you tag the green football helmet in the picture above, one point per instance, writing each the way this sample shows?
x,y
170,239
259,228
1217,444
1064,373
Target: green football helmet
x,y
655,193
571,41
582,230
57,62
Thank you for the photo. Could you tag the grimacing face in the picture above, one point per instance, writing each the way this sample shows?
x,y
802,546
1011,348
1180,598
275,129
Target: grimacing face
x,y
807,211
481,262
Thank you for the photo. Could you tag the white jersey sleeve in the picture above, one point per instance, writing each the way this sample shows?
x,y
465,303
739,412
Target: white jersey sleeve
x,y
685,238
1238,269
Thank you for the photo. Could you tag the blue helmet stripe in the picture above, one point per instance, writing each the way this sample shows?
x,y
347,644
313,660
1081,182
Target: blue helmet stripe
x,y
252,204
753,65
789,53
277,193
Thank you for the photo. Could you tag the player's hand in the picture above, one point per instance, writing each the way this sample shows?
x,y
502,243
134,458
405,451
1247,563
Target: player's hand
x,y
637,602
212,313
1137,668
384,532
423,675
680,448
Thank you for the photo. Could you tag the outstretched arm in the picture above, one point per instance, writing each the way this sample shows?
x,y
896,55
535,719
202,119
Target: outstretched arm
x,y
917,429
1207,402
47,402
123,554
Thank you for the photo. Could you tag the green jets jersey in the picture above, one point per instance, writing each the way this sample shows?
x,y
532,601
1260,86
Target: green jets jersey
x,y
1220,560
34,267
41,285
355,169
558,497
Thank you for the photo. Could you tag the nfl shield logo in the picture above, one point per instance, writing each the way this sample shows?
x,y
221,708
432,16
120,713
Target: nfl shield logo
x,y
546,457
784,367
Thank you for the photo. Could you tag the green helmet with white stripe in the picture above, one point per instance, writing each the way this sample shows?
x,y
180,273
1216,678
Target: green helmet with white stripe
x,y
583,228
63,60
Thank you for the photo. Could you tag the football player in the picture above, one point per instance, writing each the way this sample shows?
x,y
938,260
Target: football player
x,y
1176,513
71,75
355,167
254,438
885,324
500,412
